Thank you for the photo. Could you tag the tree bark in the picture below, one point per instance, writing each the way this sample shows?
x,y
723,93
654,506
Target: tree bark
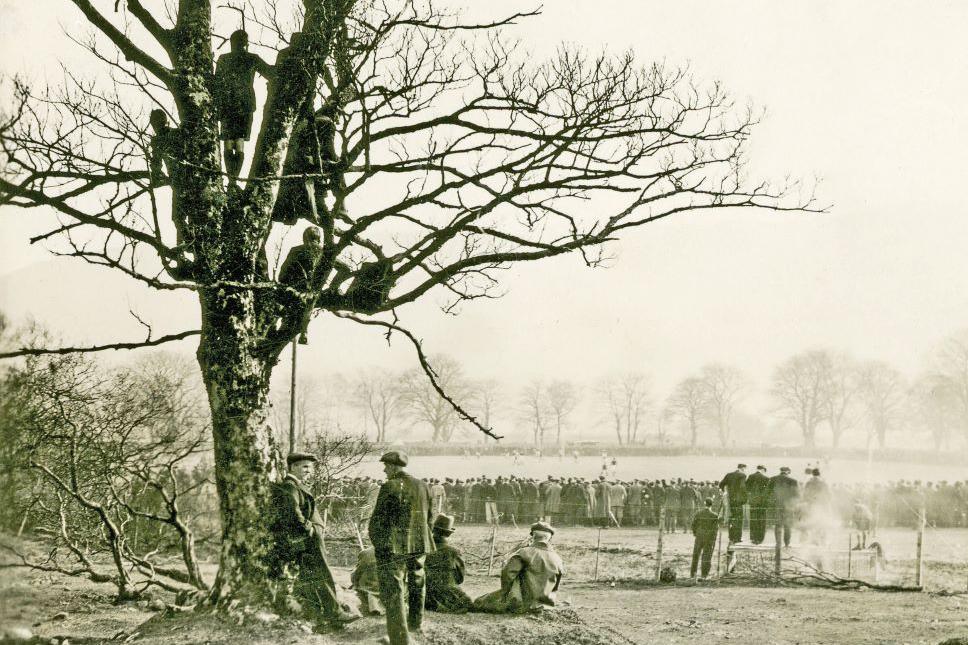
x,y
238,387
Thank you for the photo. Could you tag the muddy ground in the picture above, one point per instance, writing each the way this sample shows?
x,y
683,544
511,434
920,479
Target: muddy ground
x,y
616,609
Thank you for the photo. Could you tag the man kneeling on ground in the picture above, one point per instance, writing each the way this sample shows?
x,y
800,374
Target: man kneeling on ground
x,y
529,580
445,572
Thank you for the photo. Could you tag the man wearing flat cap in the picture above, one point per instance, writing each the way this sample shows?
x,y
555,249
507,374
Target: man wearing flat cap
x,y
297,531
784,491
400,532
734,485
445,572
529,579
758,495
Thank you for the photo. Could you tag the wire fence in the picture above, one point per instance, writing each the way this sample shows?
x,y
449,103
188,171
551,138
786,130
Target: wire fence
x,y
827,553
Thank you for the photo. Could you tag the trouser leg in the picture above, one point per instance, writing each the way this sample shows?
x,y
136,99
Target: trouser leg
x,y
696,551
392,573
736,523
416,591
707,557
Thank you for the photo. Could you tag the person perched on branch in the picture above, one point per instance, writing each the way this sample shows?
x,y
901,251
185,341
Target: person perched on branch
x,y
296,274
529,579
309,170
162,149
297,531
235,98
371,286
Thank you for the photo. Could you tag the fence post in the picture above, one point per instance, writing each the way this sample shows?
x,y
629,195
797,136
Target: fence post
x,y
719,548
658,548
598,552
490,552
919,572
777,556
850,551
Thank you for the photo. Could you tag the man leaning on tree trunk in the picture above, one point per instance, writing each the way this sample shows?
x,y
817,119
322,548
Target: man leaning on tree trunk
x,y
400,530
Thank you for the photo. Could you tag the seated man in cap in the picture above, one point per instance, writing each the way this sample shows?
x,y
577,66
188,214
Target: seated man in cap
x,y
445,572
529,580
298,545
400,532
365,582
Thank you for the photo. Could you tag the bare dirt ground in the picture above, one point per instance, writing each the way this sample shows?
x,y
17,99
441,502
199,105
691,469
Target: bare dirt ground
x,y
617,609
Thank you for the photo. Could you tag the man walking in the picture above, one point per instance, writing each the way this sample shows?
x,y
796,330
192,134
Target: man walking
x,y
400,531
734,485
705,528
758,492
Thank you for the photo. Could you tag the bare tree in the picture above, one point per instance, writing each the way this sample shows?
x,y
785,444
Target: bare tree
x,y
626,399
380,395
533,407
840,393
951,367
426,406
688,403
562,398
470,155
799,391
882,391
485,394
934,406
725,386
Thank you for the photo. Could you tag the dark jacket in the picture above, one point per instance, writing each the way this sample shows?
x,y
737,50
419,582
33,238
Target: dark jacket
x,y
296,525
784,491
705,525
758,489
734,484
445,573
402,517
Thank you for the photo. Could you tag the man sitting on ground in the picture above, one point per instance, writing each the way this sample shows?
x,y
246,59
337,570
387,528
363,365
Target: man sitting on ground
x,y
366,584
529,580
445,572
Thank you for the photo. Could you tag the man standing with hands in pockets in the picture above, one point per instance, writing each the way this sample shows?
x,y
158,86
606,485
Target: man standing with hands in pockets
x,y
400,530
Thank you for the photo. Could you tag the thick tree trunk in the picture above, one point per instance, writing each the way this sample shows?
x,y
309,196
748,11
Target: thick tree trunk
x,y
238,387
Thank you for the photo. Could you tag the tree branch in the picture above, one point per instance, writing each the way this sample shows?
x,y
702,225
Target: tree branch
x,y
38,351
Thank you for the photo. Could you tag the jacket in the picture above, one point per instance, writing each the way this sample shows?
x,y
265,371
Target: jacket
x,y
402,517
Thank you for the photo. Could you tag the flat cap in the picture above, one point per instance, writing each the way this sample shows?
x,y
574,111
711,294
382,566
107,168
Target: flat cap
x,y
395,457
542,526
784,469
294,457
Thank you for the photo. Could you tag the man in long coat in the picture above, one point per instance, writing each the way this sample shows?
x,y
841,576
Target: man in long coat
x,y
758,493
400,533
784,491
297,531
734,485
529,579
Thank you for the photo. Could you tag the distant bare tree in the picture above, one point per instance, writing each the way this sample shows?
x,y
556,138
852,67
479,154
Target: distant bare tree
x,y
725,386
882,391
840,393
689,403
799,391
534,410
485,396
951,366
380,395
626,399
424,403
562,399
934,406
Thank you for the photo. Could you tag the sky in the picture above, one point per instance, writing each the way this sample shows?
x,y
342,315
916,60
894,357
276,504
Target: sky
x,y
869,96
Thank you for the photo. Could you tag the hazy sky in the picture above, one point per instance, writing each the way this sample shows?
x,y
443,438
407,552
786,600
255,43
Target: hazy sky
x,y
868,95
